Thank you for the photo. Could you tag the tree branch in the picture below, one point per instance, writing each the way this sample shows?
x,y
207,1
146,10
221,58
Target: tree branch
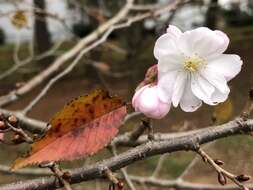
x,y
151,148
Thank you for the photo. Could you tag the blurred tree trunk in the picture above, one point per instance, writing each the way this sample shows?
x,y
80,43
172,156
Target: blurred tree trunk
x,y
212,14
42,39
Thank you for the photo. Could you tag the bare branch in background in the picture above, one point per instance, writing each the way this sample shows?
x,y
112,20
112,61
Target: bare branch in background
x,y
20,63
107,26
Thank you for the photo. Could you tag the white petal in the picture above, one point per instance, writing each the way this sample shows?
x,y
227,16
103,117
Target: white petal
x,y
165,85
165,45
189,102
215,78
218,97
225,39
202,88
175,31
203,42
229,65
179,87
170,63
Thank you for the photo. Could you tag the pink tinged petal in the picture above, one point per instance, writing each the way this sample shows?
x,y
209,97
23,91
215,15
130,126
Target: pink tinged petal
x,y
161,112
179,87
175,31
203,42
146,100
225,39
216,79
137,95
228,65
189,102
165,45
165,85
170,63
201,88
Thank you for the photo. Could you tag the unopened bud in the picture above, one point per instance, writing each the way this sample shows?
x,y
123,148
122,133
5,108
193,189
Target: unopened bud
x,y
17,139
66,175
35,136
222,179
2,125
13,119
242,178
120,185
218,162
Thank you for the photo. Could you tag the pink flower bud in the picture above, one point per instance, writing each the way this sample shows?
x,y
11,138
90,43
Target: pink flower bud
x,y
146,100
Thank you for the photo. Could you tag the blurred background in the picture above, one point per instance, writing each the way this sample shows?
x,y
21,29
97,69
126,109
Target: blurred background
x,y
118,65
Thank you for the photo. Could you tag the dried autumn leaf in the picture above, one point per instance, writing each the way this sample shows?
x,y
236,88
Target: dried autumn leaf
x,y
19,19
80,129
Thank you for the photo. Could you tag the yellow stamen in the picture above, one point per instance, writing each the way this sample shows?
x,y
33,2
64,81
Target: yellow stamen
x,y
192,63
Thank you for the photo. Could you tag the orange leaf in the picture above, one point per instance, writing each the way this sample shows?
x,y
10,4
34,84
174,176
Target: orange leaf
x,y
81,128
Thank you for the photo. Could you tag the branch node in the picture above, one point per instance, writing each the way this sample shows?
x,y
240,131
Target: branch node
x,y
113,179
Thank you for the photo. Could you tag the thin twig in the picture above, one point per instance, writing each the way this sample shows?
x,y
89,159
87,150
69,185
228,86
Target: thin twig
x,y
124,172
220,170
159,165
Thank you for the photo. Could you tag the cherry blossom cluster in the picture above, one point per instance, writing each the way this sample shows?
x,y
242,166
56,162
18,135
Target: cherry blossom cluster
x,y
192,68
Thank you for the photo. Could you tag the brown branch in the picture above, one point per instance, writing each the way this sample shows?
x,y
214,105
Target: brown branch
x,y
59,174
29,124
188,142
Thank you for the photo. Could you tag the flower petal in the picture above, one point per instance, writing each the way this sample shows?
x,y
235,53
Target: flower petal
x,y
189,102
229,65
165,45
202,88
225,40
165,85
179,87
170,63
175,31
215,78
218,97
203,42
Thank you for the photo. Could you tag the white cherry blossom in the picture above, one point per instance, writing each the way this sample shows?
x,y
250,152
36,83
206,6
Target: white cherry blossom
x,y
192,67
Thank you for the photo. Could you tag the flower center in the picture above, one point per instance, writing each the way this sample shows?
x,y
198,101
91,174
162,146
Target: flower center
x,y
192,63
